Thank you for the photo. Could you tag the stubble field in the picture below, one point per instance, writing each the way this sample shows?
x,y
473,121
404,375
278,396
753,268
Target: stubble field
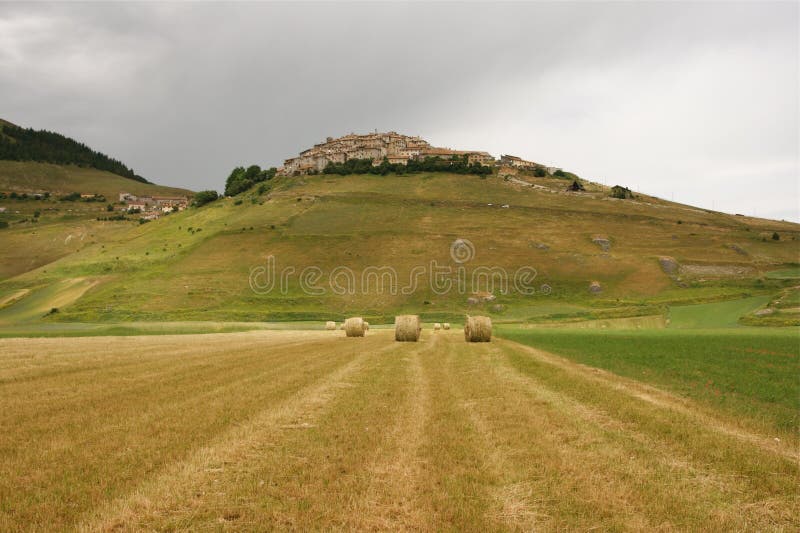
x,y
310,430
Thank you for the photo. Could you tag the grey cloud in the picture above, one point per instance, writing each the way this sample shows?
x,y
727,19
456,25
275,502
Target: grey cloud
x,y
672,98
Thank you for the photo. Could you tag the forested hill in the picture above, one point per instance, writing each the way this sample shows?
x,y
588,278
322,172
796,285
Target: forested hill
x,y
27,144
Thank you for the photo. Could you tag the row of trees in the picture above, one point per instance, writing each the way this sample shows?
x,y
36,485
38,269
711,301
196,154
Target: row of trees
x,y
456,165
27,144
13,195
76,196
242,178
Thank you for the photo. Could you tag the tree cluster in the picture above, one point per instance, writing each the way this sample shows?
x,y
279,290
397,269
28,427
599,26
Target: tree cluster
x,y
112,218
14,195
456,165
76,197
242,178
204,197
27,144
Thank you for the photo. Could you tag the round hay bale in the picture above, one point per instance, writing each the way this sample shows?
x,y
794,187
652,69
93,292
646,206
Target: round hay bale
x,y
478,329
446,325
407,328
354,327
330,325
437,326
595,287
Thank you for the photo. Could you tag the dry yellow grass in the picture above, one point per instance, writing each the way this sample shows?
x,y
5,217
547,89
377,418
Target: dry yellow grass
x,y
303,430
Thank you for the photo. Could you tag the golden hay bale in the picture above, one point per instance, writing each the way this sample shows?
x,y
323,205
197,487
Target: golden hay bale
x,y
437,327
330,324
407,328
446,325
478,329
366,326
354,327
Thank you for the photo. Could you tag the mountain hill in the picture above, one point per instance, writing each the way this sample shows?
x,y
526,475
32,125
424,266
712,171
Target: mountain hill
x,y
27,144
36,169
583,254
31,177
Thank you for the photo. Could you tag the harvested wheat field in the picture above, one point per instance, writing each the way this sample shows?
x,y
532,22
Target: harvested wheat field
x,y
304,430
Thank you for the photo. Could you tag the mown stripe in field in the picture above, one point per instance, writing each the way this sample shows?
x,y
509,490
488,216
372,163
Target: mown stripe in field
x,y
97,450
204,488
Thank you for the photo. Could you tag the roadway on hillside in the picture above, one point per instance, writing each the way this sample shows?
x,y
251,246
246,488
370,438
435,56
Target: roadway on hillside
x,y
312,430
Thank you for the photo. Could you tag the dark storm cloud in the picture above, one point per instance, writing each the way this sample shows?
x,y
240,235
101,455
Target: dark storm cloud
x,y
698,101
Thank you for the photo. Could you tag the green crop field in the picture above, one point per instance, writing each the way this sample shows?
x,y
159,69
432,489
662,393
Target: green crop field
x,y
749,373
714,315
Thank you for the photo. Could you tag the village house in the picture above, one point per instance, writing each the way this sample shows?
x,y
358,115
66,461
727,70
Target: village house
x,y
162,204
517,162
397,159
482,158
170,201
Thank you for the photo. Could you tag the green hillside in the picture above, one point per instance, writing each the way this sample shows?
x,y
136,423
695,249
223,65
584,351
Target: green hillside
x,y
196,265
60,228
34,177
27,144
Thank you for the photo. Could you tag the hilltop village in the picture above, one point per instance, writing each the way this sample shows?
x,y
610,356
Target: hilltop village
x,y
392,148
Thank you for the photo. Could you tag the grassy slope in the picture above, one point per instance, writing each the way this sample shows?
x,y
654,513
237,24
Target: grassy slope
x,y
31,177
63,227
163,270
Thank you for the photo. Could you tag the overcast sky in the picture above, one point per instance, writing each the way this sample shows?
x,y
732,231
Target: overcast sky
x,y
696,102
